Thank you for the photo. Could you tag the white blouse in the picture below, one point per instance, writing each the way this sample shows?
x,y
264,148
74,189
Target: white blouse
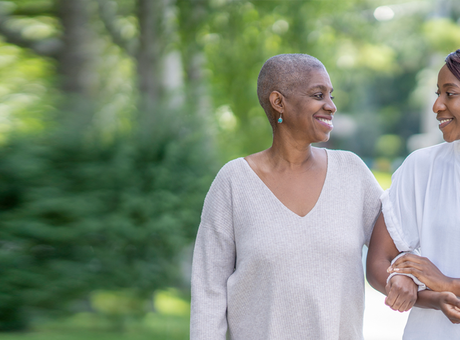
x,y
422,210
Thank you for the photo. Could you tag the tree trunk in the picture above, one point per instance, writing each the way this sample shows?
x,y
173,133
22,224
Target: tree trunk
x,y
76,53
75,62
148,57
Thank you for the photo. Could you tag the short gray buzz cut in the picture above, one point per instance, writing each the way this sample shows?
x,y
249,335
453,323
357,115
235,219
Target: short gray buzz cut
x,y
283,73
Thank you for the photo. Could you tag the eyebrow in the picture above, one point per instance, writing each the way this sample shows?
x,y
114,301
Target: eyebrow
x,y
449,84
321,87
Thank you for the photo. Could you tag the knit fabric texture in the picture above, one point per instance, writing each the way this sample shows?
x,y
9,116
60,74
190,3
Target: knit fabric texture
x,y
262,272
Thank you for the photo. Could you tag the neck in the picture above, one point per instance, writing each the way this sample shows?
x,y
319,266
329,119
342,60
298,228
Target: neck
x,y
289,153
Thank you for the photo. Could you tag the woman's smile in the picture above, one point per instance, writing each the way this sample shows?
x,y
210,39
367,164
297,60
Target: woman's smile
x,y
325,121
443,122
447,105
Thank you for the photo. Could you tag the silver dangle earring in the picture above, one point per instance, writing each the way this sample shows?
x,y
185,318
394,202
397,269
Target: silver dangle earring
x,y
280,119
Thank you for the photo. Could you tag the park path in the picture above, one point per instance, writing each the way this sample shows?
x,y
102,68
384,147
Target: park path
x,y
380,322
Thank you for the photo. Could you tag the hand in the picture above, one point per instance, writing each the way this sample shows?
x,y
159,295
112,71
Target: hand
x,y
424,270
401,293
450,306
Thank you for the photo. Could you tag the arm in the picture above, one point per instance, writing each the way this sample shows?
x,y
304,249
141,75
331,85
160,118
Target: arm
x,y
424,270
401,291
446,302
444,290
213,263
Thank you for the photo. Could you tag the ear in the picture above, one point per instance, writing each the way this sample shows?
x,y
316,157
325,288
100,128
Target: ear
x,y
277,101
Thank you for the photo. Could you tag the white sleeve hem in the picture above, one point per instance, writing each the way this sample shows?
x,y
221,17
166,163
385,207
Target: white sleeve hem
x,y
420,284
394,229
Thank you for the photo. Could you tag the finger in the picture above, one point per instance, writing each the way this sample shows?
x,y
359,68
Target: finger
x,y
408,264
417,273
408,305
390,300
396,302
456,304
407,257
454,314
454,317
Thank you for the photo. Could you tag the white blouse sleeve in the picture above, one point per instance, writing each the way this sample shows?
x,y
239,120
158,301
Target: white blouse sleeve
x,y
213,263
402,204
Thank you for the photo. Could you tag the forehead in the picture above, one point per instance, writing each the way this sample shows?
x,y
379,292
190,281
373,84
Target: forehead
x,y
315,78
445,77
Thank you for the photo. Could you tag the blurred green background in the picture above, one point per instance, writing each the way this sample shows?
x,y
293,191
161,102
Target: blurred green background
x,y
115,115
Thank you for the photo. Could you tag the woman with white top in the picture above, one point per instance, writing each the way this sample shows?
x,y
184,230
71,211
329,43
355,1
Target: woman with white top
x,y
421,212
278,250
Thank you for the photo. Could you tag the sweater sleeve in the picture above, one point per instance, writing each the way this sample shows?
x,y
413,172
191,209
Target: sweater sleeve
x,y
372,205
370,193
213,263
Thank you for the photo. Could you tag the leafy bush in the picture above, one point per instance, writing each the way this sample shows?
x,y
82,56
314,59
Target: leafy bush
x,y
79,215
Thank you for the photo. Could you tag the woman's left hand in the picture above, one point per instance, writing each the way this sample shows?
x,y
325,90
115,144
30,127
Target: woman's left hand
x,y
424,270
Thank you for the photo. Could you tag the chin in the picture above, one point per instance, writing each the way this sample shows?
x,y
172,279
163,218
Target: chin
x,y
325,139
449,139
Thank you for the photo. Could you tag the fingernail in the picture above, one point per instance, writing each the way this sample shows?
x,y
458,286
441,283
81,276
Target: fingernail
x,y
396,269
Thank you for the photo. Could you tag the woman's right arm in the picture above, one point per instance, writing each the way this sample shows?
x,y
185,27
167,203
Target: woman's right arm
x,y
213,262
401,290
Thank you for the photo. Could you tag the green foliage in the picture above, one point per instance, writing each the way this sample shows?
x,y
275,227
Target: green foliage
x,y
443,35
24,92
78,216
388,146
384,179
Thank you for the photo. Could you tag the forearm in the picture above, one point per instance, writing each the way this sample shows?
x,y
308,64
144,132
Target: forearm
x,y
381,252
376,272
428,299
453,285
446,302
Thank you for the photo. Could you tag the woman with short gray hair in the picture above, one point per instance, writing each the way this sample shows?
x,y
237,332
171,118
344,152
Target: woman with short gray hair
x,y
278,250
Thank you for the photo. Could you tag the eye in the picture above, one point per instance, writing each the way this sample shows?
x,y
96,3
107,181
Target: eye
x,y
318,95
332,97
437,93
450,94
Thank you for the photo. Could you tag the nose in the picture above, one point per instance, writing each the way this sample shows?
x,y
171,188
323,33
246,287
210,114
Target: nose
x,y
438,105
330,106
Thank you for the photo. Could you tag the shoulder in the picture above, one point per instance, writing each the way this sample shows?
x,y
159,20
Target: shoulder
x,y
347,159
424,154
422,159
231,169
349,168
228,174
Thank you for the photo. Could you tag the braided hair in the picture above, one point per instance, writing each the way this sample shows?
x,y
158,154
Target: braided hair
x,y
453,63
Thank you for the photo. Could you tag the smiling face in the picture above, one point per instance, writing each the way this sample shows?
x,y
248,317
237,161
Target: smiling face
x,y
309,108
447,106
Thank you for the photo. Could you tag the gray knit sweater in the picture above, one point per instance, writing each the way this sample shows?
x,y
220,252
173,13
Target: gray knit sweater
x,y
261,272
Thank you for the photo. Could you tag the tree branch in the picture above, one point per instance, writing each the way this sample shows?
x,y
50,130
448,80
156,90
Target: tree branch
x,y
108,15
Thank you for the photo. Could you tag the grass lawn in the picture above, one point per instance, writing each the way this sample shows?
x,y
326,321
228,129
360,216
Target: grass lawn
x,y
169,322
384,179
159,327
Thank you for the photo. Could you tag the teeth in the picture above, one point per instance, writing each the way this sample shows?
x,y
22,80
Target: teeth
x,y
444,121
327,121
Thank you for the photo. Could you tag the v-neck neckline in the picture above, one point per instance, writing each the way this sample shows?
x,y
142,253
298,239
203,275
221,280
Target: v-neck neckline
x,y
260,181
